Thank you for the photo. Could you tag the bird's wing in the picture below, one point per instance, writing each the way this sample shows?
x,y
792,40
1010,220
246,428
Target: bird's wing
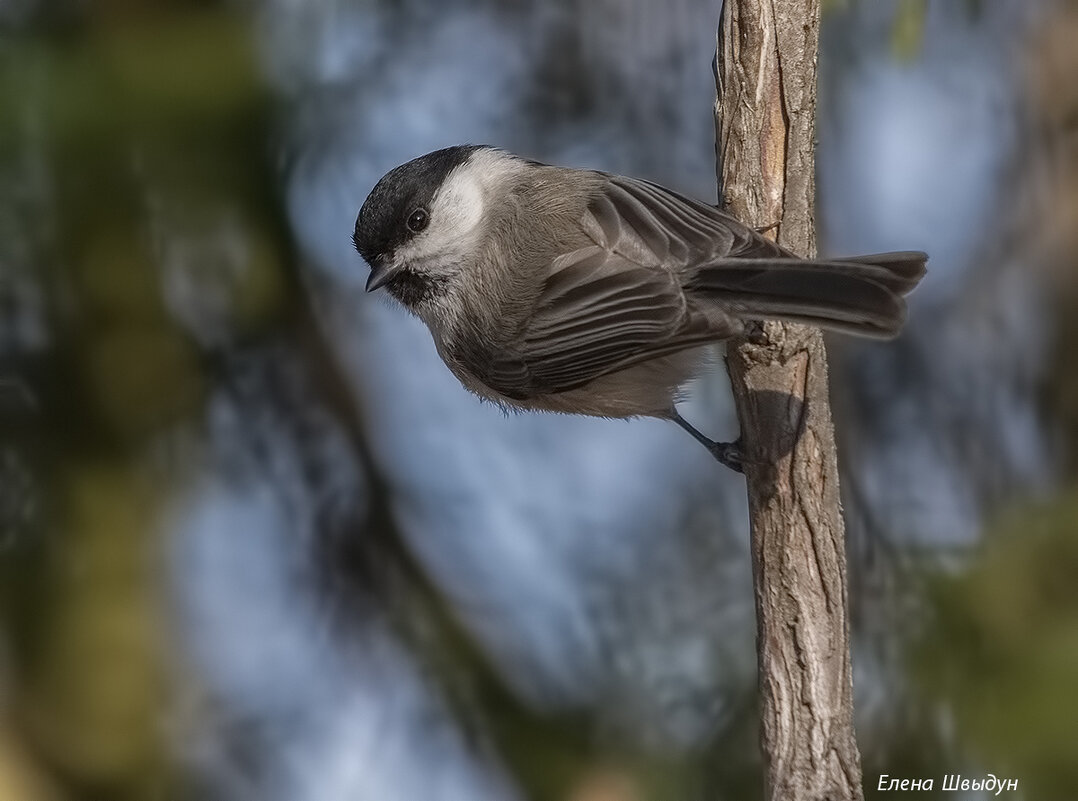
x,y
673,229
619,302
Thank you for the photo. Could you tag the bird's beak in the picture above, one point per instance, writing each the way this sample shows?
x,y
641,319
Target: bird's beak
x,y
380,273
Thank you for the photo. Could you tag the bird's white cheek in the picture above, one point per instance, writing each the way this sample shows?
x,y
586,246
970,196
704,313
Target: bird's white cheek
x,y
456,217
460,204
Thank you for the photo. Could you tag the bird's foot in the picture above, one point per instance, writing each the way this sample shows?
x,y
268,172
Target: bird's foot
x,y
725,453
728,454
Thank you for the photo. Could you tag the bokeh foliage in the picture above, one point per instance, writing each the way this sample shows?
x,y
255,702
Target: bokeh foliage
x,y
134,140
908,27
1001,655
134,147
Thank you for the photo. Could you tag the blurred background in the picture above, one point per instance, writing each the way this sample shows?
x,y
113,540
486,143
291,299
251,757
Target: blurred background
x,y
257,543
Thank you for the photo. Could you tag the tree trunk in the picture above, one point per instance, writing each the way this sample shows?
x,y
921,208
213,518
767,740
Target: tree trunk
x,y
764,120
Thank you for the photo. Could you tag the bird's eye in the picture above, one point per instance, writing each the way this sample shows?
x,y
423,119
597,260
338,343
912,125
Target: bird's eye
x,y
417,221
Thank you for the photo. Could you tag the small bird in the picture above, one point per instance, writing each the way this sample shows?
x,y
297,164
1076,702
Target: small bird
x,y
576,291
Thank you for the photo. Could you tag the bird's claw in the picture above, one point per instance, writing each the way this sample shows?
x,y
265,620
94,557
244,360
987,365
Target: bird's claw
x,y
728,454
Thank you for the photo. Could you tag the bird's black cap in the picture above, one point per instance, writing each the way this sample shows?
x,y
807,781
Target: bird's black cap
x,y
381,225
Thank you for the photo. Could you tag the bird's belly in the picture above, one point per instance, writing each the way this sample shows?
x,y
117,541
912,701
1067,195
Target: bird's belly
x,y
649,389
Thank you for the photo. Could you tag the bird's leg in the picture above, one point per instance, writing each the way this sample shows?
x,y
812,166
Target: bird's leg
x,y
763,229
726,453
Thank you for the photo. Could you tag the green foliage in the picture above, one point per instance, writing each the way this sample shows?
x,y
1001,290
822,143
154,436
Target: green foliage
x,y
908,29
911,17
1059,391
132,144
1002,654
163,74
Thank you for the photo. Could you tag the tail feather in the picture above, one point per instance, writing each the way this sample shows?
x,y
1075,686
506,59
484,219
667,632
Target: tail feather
x,y
861,295
904,268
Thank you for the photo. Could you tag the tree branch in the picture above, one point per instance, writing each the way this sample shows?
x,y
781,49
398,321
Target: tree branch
x,y
765,71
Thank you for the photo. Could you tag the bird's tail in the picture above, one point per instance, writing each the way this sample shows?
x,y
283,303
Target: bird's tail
x,y
861,295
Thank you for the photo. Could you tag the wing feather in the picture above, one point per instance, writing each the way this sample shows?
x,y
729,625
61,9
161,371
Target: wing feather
x,y
701,232
620,302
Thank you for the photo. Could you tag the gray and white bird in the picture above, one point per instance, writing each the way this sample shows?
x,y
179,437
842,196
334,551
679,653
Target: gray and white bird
x,y
576,291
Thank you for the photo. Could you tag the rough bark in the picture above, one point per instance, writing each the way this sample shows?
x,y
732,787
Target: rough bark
x,y
765,119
